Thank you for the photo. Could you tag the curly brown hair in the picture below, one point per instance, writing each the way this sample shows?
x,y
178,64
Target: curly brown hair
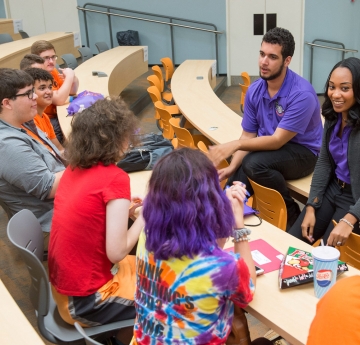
x,y
99,134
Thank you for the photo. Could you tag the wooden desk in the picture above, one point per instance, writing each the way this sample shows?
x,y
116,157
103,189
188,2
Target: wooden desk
x,y
121,64
288,312
200,105
192,87
12,53
301,186
15,329
7,27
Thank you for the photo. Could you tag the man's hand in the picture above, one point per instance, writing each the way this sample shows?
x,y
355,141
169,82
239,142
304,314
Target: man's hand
x,y
218,153
225,173
67,73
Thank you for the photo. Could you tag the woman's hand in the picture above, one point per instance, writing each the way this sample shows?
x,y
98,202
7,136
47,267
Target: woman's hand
x,y
308,224
237,196
135,203
341,231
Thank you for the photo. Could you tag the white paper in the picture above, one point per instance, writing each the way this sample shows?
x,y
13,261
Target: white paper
x,y
280,257
18,25
146,53
213,69
259,258
76,39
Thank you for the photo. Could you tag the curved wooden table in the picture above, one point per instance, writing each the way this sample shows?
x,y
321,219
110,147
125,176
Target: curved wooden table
x,y
122,65
15,329
192,87
12,53
7,27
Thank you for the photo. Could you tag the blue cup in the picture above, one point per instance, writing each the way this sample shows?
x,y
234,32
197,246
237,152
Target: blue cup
x,y
325,261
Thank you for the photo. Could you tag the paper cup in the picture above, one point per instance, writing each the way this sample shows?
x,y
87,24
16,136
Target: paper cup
x,y
325,268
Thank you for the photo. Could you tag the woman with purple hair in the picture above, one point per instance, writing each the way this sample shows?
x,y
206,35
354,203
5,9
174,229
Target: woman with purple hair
x,y
186,283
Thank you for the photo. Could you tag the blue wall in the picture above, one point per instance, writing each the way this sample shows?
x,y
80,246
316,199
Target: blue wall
x,y
2,9
331,20
189,44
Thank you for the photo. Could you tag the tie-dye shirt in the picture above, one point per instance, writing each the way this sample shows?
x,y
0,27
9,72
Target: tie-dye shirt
x,y
188,301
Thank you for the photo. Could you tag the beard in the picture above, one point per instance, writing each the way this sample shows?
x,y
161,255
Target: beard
x,y
274,75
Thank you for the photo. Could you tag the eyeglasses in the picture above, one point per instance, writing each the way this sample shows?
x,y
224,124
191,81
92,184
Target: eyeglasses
x,y
29,93
48,58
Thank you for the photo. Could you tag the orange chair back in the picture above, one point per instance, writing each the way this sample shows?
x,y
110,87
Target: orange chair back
x,y
350,251
244,89
270,204
184,138
223,164
246,78
154,81
165,116
155,97
168,67
158,72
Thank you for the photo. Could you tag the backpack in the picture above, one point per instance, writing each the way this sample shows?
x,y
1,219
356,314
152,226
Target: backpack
x,y
144,156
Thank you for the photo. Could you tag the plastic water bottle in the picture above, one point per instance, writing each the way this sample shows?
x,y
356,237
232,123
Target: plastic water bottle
x,y
82,108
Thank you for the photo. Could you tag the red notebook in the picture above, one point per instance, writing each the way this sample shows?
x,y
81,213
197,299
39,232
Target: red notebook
x,y
264,255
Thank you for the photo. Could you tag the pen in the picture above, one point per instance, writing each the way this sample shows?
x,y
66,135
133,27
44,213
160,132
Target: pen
x,y
334,222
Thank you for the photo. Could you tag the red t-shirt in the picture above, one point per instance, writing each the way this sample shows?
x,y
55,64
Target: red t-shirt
x,y
78,265
50,110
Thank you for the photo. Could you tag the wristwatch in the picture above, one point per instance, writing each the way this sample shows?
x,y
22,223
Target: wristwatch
x,y
239,233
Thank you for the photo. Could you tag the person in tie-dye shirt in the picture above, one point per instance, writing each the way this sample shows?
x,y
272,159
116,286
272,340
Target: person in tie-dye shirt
x,y
186,284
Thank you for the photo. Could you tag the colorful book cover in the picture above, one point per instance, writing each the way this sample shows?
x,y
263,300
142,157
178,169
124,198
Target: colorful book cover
x,y
297,268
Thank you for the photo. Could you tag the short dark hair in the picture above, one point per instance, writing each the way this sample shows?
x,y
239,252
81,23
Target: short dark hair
x,y
40,46
283,38
39,74
327,109
11,81
99,133
185,210
30,59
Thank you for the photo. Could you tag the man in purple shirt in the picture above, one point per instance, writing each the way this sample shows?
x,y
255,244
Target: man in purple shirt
x,y
282,127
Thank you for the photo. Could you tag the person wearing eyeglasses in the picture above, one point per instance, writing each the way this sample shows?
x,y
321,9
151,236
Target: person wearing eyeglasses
x,y
31,166
65,82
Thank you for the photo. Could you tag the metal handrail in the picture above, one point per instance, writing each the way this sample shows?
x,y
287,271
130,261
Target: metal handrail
x,y
333,48
170,23
312,45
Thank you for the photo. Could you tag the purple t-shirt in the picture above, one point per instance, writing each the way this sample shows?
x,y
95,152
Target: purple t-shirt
x,y
338,148
295,108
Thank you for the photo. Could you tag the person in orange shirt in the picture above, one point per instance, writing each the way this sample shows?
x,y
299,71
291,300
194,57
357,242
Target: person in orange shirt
x,y
65,82
43,82
337,315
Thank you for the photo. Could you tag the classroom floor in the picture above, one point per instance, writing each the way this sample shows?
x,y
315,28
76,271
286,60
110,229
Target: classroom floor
x,y
13,271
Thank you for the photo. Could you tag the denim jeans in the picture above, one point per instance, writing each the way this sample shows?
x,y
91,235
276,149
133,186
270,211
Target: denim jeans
x,y
271,168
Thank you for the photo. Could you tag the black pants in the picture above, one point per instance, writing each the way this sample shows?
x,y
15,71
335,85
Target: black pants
x,y
271,168
335,205
59,134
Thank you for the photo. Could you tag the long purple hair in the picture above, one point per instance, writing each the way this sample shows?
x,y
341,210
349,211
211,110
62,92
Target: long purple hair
x,y
185,210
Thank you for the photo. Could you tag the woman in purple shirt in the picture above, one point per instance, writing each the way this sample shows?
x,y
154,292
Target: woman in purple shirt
x,y
335,187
